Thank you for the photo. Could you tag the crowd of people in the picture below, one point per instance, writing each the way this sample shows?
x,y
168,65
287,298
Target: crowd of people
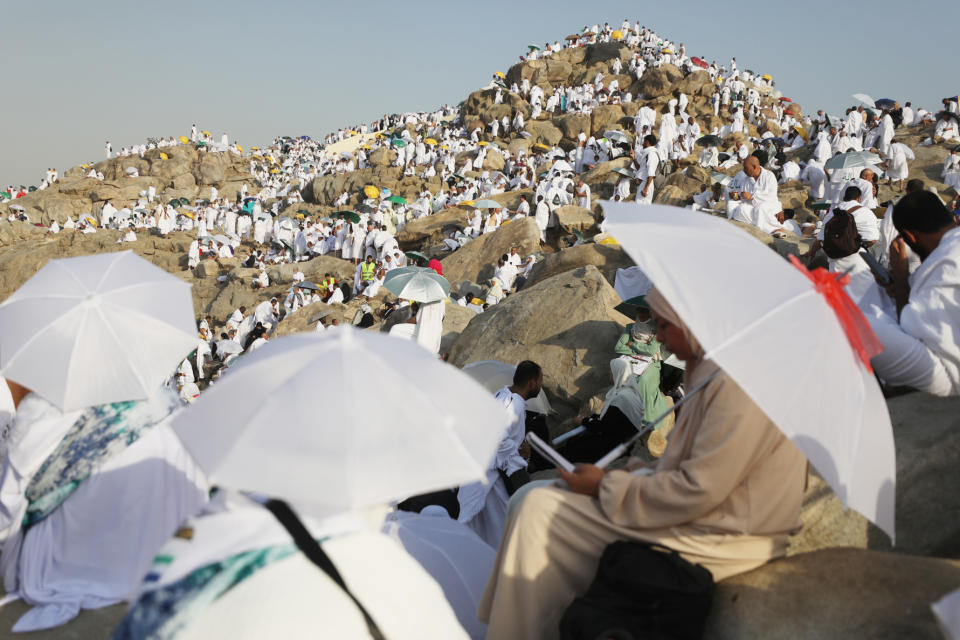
x,y
725,494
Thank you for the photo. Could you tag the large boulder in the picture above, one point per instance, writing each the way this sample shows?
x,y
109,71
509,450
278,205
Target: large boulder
x,y
544,132
455,320
604,117
476,260
494,161
671,195
573,124
212,168
607,258
430,229
835,593
381,157
565,323
698,83
571,217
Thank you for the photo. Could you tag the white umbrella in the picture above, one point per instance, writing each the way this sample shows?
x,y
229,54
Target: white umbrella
x,y
420,284
396,422
453,554
494,375
131,171
852,159
739,299
865,99
561,165
96,329
16,207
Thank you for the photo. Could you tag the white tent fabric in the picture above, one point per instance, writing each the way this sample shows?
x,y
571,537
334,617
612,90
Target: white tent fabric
x,y
93,550
96,329
739,299
453,555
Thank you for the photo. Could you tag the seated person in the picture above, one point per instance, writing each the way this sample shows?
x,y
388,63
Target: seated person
x,y
726,495
620,418
639,339
918,318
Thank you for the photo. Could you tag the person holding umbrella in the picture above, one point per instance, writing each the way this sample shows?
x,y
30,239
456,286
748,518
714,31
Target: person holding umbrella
x,y
726,494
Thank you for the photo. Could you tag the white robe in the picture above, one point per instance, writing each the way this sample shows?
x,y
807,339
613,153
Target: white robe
x,y
921,351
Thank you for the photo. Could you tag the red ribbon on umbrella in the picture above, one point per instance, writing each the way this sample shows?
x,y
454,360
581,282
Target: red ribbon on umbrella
x,y
859,332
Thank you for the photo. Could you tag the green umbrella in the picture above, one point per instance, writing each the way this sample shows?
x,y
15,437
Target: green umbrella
x,y
184,201
532,47
201,144
174,203
820,206
31,189
5,195
303,211
419,284
629,306
346,215
398,143
487,204
365,208
416,256
397,200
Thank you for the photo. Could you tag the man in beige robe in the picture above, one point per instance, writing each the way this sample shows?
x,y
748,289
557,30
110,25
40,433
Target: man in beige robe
x,y
726,494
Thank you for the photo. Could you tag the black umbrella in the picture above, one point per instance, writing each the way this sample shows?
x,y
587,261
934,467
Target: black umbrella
x,y
709,141
723,157
884,103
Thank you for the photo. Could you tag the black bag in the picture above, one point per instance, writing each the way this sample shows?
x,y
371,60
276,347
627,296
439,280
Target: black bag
x,y
840,235
515,480
641,591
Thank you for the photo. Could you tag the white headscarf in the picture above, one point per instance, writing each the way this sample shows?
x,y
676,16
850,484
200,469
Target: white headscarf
x,y
624,395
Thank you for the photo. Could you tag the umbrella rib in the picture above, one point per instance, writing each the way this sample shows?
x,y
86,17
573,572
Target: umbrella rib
x,y
109,268
32,338
59,264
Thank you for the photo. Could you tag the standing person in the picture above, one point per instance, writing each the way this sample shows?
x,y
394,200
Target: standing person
x,y
542,217
726,495
483,505
647,168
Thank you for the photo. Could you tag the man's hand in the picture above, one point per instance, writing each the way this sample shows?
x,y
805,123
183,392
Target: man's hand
x,y
899,287
524,450
585,479
745,195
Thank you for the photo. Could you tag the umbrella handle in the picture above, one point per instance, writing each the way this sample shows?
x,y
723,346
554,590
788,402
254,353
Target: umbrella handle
x,y
621,449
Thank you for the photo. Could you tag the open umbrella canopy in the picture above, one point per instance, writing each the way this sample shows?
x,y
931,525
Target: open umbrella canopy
x,y
96,329
397,200
352,216
852,160
533,47
629,306
864,99
431,427
420,284
617,35
397,142
626,173
310,286
884,103
430,142
700,62
494,375
371,191
416,256
487,204
846,434
722,178
709,140
184,139
617,136
364,208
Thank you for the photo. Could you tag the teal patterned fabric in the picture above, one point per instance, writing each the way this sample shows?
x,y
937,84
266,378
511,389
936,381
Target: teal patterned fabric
x,y
99,434
161,614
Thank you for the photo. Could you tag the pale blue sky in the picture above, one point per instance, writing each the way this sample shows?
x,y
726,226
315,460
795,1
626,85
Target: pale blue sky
x,y
79,73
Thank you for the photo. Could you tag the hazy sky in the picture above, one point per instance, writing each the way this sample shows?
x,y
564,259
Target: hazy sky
x,y
80,73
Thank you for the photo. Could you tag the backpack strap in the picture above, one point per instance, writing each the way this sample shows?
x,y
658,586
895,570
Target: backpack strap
x,y
315,553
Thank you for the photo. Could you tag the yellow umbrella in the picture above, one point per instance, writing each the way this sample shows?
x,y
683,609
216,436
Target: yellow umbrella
x,y
164,156
608,241
803,133
365,146
186,213
617,35
540,145
444,146
380,135
85,166
270,158
92,221
766,76
665,51
371,191
483,143
255,148
274,170
206,133
500,74
468,203
430,141
506,222
239,148
184,139
299,216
